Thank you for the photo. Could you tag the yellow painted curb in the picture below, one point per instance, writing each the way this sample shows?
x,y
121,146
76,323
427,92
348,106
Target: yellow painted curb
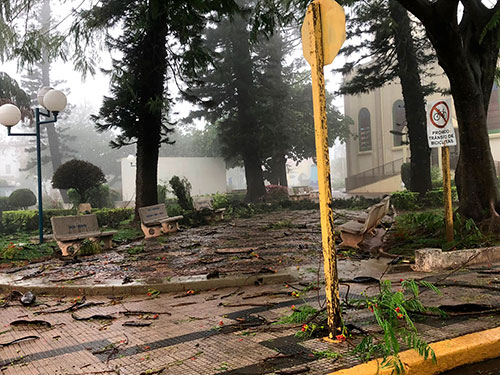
x,y
450,354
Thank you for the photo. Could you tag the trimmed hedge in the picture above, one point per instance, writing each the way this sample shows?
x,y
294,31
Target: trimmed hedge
x,y
409,200
27,221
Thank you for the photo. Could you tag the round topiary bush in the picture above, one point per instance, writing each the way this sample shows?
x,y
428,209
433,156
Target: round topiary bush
x,y
79,175
22,198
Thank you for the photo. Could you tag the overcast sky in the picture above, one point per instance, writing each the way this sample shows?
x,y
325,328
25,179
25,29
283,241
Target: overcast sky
x,y
94,88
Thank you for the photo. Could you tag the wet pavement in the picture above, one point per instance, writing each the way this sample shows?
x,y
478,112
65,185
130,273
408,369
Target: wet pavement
x,y
491,367
261,244
221,331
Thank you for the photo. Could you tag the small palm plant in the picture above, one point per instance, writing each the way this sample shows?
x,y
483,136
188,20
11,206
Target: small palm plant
x,y
392,310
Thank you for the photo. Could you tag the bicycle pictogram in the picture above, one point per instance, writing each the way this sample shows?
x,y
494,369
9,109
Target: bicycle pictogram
x,y
440,114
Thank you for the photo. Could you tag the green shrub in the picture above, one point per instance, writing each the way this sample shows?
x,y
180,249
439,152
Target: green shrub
x,y
27,221
174,209
4,204
434,198
112,217
22,198
357,202
101,197
419,230
182,190
404,200
221,200
88,247
436,178
162,193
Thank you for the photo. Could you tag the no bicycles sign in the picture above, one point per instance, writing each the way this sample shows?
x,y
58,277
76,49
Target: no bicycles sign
x,y
440,130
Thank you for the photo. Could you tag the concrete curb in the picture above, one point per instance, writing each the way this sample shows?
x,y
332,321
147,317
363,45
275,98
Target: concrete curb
x,y
450,354
430,260
138,289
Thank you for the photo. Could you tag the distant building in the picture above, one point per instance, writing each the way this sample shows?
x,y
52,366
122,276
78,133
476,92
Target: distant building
x,y
13,157
374,155
206,175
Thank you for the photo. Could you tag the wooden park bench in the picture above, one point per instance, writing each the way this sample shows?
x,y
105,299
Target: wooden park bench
x,y
205,205
155,221
353,232
71,231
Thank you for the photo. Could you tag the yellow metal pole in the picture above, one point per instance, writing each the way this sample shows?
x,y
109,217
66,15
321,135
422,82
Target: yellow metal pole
x,y
448,209
323,162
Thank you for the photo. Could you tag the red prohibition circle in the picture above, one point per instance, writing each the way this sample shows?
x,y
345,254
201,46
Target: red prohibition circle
x,y
439,115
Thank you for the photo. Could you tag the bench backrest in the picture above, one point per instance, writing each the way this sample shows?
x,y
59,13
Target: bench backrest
x,y
152,214
386,201
81,224
373,216
200,203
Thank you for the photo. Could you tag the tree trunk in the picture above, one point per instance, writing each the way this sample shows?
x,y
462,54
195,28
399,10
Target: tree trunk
x,y
247,123
475,175
52,136
146,178
151,68
413,96
279,169
469,60
255,178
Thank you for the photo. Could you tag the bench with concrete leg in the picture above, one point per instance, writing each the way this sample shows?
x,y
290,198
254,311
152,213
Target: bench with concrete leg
x,y
205,204
70,231
155,221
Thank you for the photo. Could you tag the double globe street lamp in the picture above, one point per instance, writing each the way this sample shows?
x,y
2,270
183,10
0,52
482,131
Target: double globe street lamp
x,y
53,101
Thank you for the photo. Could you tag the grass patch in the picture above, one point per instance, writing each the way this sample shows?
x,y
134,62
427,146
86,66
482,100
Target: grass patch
x,y
127,233
280,225
427,229
135,250
17,247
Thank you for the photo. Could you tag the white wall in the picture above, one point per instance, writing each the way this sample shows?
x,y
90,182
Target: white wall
x,y
206,175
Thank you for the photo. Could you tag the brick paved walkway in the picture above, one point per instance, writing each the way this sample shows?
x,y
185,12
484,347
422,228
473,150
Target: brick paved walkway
x,y
227,331
214,332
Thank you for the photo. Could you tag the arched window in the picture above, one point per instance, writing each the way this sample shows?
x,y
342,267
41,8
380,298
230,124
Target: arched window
x,y
493,119
364,130
398,121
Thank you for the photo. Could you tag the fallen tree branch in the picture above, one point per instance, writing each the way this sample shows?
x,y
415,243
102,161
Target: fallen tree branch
x,y
466,285
19,340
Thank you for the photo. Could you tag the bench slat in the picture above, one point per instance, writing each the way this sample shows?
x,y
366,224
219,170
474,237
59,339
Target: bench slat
x,y
82,236
352,227
171,218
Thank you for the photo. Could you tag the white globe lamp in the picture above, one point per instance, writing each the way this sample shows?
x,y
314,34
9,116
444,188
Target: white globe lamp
x,y
10,115
41,93
54,100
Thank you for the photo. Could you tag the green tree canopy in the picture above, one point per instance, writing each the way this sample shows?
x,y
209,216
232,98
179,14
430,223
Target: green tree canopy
x,y
22,198
79,175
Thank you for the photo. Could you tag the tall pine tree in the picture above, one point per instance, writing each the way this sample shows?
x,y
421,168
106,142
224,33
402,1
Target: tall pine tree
x,y
159,38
